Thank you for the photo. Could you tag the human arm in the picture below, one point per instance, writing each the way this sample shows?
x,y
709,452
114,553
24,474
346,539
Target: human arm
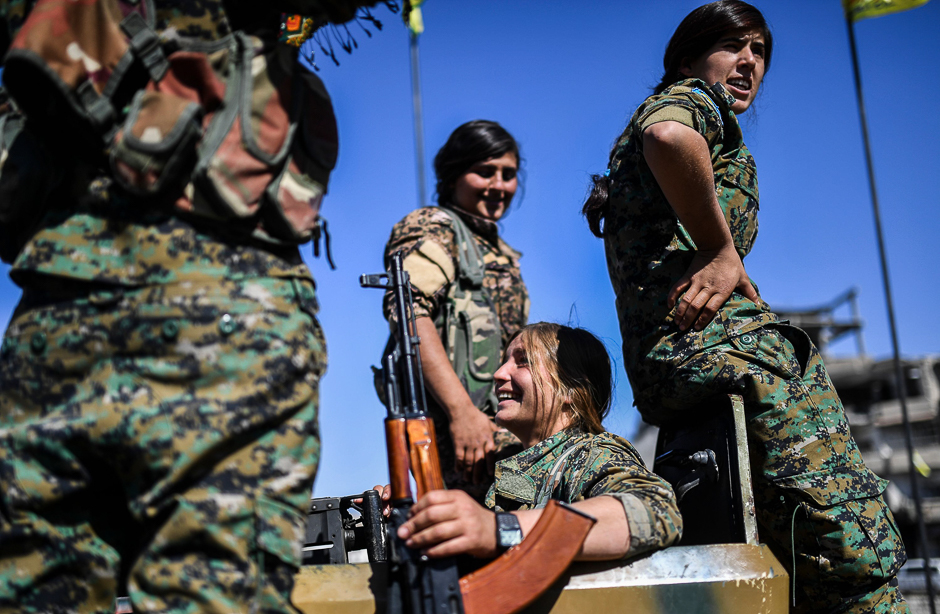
x,y
427,239
680,160
470,429
449,522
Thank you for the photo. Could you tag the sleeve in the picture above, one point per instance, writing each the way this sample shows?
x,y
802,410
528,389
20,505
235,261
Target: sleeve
x,y
427,240
649,503
690,107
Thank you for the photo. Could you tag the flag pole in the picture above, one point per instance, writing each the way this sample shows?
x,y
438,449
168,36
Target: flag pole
x,y
892,322
419,121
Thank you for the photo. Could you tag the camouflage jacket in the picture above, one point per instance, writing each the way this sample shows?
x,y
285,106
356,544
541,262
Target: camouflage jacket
x,y
99,239
649,250
573,466
426,236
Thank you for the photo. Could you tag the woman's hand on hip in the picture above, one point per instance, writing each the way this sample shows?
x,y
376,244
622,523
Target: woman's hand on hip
x,y
707,285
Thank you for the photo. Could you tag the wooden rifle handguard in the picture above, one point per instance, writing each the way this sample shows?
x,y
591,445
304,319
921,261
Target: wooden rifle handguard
x,y
524,572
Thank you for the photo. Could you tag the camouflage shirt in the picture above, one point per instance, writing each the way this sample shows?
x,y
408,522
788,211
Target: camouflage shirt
x,y
427,238
573,466
100,238
649,250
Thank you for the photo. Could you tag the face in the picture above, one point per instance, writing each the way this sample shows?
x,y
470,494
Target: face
x,y
487,188
521,410
737,62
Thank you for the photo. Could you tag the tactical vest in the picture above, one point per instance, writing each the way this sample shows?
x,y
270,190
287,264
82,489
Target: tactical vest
x,y
468,324
227,130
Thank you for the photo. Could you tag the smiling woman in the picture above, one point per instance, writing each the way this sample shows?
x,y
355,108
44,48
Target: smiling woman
x,y
555,389
469,296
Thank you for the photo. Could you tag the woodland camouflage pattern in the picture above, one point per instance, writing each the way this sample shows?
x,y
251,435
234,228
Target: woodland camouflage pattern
x,y
814,494
572,466
431,255
158,420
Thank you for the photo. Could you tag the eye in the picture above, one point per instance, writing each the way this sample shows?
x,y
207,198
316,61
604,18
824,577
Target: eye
x,y
484,171
522,360
509,173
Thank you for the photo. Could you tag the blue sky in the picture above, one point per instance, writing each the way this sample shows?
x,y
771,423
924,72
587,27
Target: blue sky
x,y
564,81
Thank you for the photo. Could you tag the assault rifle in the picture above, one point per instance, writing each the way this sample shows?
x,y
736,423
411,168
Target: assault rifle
x,y
418,584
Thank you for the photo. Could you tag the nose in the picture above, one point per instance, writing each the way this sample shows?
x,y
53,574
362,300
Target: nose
x,y
502,374
747,57
497,182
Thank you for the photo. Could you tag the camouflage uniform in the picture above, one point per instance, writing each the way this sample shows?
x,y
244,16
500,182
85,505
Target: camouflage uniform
x,y
158,413
814,493
428,240
572,466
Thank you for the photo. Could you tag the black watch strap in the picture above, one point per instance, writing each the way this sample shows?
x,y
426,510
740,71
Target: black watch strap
x,y
508,531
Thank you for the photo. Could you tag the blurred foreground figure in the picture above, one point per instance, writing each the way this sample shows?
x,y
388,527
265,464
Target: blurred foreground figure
x,y
159,379
677,210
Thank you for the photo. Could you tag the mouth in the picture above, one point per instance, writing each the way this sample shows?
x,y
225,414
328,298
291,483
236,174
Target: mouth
x,y
741,84
507,396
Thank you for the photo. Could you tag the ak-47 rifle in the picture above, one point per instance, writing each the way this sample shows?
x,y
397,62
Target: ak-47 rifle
x,y
418,584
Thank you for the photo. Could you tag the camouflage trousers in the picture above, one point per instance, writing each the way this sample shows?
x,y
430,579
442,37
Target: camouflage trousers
x,y
160,441
819,508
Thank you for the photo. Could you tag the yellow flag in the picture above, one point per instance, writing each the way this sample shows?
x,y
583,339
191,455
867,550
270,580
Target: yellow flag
x,y
415,22
863,9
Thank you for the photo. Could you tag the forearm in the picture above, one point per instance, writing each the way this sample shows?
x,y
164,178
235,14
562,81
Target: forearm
x,y
680,161
439,375
609,538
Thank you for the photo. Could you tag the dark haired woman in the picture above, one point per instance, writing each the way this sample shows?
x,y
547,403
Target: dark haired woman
x,y
678,211
555,389
469,296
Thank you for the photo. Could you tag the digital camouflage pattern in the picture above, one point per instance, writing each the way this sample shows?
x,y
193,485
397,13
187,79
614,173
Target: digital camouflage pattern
x,y
166,432
429,240
815,497
572,466
648,249
158,413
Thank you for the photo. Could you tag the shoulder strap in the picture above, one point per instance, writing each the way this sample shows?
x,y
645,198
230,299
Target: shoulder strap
x,y
469,261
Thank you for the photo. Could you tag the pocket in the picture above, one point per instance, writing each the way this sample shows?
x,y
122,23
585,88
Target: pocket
x,y
846,526
739,200
157,143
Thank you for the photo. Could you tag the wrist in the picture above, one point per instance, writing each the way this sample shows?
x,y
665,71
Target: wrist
x,y
508,531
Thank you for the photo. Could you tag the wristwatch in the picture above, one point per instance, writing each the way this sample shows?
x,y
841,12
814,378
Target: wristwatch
x,y
508,531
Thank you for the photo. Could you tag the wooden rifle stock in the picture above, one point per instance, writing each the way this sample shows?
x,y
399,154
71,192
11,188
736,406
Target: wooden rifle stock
x,y
425,464
524,572
396,441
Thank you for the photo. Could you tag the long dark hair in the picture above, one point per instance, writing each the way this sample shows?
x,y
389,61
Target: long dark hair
x,y
472,142
578,369
697,33
704,27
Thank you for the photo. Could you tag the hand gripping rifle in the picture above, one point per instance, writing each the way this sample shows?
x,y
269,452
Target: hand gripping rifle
x,y
418,584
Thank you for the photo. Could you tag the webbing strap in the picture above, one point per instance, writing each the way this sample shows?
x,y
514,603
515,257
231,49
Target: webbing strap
x,y
470,262
146,45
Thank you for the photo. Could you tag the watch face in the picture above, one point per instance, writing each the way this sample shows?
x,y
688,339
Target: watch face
x,y
508,531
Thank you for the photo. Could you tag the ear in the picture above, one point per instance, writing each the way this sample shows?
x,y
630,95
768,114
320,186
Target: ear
x,y
685,68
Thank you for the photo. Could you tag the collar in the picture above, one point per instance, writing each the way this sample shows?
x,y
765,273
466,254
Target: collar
x,y
717,92
512,479
487,229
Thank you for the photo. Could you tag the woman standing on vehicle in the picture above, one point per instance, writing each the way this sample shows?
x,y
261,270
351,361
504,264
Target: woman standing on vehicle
x,y
469,296
677,210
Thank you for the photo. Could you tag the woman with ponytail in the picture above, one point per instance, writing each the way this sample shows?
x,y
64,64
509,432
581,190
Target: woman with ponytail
x,y
677,209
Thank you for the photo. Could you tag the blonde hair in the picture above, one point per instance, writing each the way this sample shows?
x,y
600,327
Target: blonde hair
x,y
577,368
